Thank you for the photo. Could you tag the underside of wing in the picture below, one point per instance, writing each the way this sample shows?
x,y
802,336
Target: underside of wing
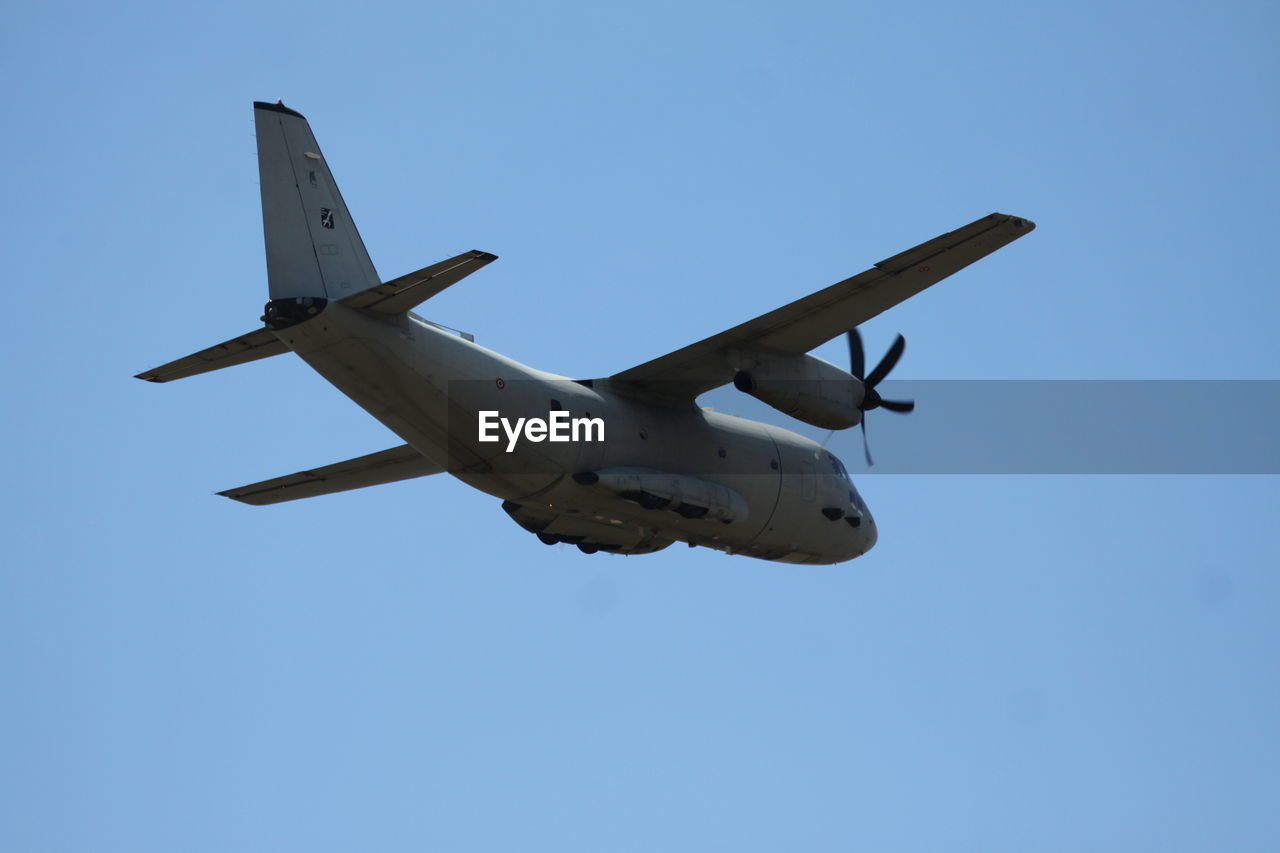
x,y
386,466
401,294
257,344
809,322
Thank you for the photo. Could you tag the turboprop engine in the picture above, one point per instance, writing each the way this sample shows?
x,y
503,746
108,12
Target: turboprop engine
x,y
817,392
802,386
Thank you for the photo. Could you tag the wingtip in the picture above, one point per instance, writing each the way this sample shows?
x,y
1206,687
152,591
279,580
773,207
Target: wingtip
x,y
1017,221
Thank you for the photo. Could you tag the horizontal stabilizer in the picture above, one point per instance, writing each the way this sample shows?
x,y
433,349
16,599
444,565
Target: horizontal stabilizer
x,y
250,347
385,466
401,294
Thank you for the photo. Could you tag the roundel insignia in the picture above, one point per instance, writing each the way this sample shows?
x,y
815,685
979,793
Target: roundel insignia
x,y
499,383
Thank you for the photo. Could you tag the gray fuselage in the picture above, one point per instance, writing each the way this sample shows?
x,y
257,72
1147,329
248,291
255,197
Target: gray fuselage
x,y
793,499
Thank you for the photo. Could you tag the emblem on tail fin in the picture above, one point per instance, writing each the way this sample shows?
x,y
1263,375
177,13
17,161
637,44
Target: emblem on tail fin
x,y
326,217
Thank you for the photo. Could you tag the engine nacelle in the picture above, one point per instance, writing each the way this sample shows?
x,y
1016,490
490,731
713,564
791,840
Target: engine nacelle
x,y
802,386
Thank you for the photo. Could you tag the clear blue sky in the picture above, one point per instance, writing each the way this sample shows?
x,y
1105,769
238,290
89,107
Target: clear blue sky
x,y
1023,663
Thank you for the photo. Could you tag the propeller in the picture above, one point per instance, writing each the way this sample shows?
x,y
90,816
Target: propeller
x,y
871,399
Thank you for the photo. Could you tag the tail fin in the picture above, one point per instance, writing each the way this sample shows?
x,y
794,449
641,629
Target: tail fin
x,y
313,248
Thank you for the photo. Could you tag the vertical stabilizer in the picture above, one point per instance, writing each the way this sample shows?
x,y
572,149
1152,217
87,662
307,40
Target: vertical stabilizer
x,y
313,248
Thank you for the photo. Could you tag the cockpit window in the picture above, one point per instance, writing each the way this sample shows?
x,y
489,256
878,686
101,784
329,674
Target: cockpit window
x,y
837,467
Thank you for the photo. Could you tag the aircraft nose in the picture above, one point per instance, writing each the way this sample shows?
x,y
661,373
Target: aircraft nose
x,y
865,531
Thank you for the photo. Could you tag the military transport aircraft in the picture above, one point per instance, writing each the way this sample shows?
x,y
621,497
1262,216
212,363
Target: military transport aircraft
x,y
626,464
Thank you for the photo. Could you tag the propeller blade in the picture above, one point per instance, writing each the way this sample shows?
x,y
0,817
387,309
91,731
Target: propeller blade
x,y
857,357
887,363
872,400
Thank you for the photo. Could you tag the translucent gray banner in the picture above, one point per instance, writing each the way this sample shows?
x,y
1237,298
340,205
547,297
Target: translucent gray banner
x,y
1056,427
958,427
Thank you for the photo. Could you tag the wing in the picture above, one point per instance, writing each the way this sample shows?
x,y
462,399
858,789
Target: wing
x,y
250,347
806,323
386,466
401,294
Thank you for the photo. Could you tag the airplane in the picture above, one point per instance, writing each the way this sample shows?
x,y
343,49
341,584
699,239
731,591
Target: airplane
x,y
623,464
